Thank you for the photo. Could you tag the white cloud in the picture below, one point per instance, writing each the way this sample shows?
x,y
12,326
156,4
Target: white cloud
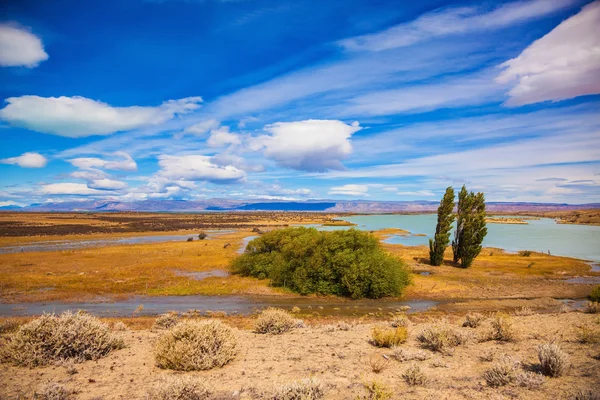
x,y
452,21
222,137
126,164
198,168
561,65
27,160
417,193
350,190
311,145
68,188
79,116
107,184
225,159
19,47
202,127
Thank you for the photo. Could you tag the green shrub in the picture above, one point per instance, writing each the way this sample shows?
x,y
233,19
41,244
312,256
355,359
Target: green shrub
x,y
51,338
388,337
595,295
196,345
344,263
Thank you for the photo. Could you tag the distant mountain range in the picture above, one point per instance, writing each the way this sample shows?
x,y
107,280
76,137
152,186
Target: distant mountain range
x,y
358,206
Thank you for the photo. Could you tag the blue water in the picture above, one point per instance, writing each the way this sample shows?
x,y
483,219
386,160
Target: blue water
x,y
543,235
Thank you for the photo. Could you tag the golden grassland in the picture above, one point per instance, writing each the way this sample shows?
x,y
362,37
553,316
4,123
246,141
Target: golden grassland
x,y
504,220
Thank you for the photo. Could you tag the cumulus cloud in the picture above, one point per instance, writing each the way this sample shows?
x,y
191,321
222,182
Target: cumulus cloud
x,y
452,21
126,163
198,168
225,159
561,65
222,137
311,145
27,160
79,116
20,47
68,188
202,127
350,190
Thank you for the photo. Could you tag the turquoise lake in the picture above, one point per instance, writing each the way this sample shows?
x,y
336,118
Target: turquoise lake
x,y
543,235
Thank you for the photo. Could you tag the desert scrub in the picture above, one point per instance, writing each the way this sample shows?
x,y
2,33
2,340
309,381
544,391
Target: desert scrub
x,y
440,337
8,325
196,345
585,394
523,311
553,361
305,389
473,320
120,326
413,376
592,307
178,388
388,337
530,380
502,372
376,391
275,321
52,391
502,328
400,354
595,294
400,320
51,338
587,335
378,363
166,321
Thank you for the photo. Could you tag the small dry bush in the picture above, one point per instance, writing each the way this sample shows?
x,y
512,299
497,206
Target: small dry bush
x,y
51,338
553,361
306,389
592,307
413,376
196,345
166,321
530,380
502,372
523,311
585,394
274,321
52,391
402,355
378,363
340,326
502,328
376,391
179,388
441,337
8,325
587,335
400,320
296,309
120,326
473,320
487,356
388,337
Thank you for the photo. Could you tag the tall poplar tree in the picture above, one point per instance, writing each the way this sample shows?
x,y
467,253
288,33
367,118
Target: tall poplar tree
x,y
474,230
461,209
445,217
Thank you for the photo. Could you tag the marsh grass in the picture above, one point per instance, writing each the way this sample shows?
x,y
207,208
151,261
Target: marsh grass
x,y
51,338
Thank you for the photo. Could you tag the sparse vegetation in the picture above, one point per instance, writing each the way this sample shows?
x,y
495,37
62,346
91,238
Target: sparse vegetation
x,y
345,263
274,321
400,320
306,389
524,311
378,363
413,376
585,394
473,320
502,328
502,372
402,355
376,391
530,380
553,361
586,334
166,321
120,326
50,338
592,307
53,391
525,253
440,337
179,388
381,337
196,345
595,294
8,325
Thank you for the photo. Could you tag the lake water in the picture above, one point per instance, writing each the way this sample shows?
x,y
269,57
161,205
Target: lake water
x,y
579,241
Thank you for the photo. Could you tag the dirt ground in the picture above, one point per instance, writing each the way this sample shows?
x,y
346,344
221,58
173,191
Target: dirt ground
x,y
340,360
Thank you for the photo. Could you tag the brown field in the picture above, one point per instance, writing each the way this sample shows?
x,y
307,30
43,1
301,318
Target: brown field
x,y
583,217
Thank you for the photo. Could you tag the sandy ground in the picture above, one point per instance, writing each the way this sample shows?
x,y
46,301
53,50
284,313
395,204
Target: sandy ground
x,y
341,360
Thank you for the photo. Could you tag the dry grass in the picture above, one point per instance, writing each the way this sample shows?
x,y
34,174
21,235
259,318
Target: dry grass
x,y
306,389
502,372
179,388
8,325
473,320
440,337
376,391
402,355
530,380
388,337
502,328
553,360
378,363
51,338
196,345
523,311
585,394
587,335
52,391
274,321
120,326
400,320
166,321
413,376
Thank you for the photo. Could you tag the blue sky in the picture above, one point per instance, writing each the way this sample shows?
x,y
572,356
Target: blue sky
x,y
379,100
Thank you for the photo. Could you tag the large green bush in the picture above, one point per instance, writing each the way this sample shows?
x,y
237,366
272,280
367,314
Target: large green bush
x,y
345,263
